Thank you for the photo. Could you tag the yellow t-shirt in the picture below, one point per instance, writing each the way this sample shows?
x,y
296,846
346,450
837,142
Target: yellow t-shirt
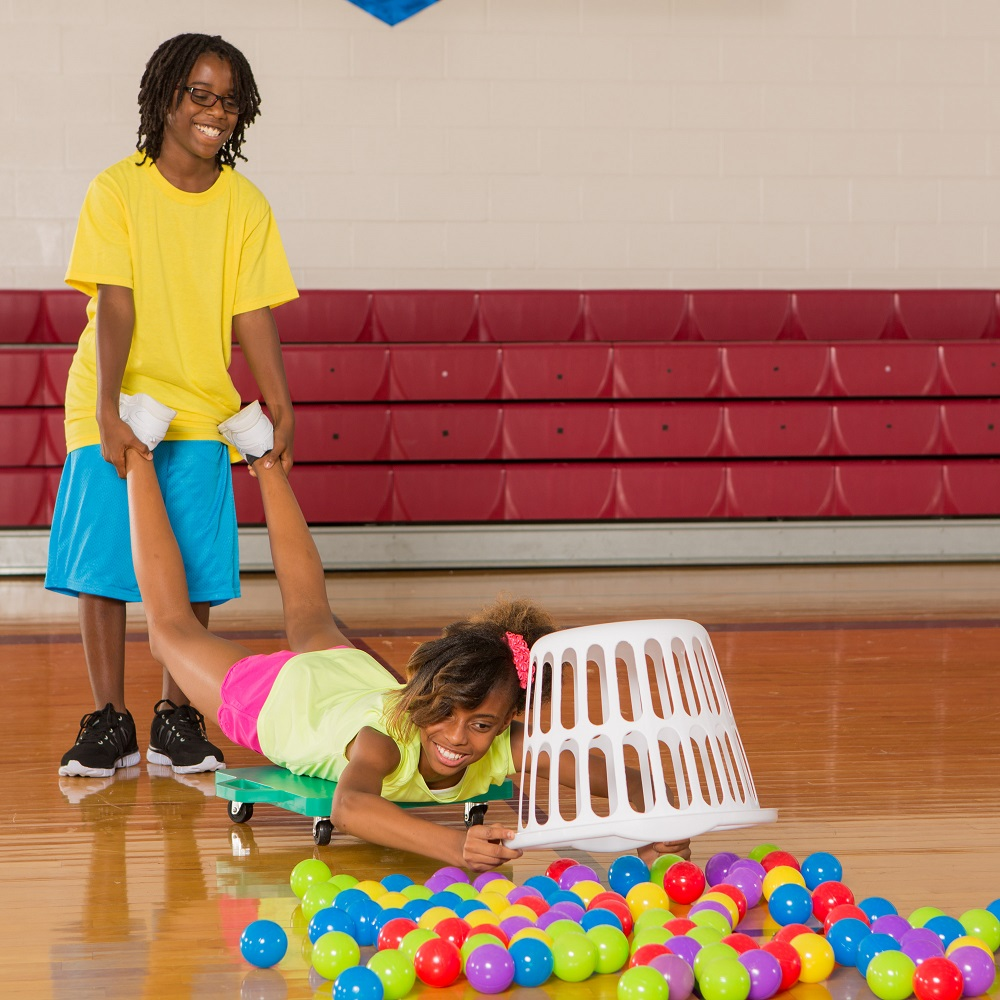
x,y
193,261
321,700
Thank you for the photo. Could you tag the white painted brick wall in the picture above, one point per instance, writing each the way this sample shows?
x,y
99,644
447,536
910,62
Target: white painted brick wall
x,y
551,143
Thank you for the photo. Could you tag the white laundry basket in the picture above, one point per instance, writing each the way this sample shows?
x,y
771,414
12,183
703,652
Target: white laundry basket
x,y
655,702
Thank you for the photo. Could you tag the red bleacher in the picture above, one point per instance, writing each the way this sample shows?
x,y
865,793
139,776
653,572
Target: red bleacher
x,y
462,406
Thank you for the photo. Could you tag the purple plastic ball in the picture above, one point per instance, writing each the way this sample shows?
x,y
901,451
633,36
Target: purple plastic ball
x,y
748,882
481,881
712,904
892,924
748,864
765,973
717,866
921,944
550,916
678,974
567,910
489,968
511,925
978,969
577,873
684,947
524,890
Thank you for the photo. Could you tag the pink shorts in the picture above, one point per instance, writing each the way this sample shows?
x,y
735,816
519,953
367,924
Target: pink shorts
x,y
244,691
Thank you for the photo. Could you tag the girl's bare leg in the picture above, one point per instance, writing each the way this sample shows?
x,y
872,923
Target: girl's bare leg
x,y
309,623
196,659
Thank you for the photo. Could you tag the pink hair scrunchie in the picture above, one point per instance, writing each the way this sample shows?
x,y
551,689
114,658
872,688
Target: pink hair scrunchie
x,y
522,656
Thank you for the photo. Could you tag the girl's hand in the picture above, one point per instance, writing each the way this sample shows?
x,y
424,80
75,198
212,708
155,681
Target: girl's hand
x,y
116,436
483,848
651,852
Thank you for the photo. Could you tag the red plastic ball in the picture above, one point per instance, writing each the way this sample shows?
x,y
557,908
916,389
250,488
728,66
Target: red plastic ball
x,y
533,903
489,929
645,954
736,895
555,870
741,942
841,912
680,925
790,931
437,962
776,858
684,882
827,895
622,912
603,897
789,960
453,929
393,931
938,978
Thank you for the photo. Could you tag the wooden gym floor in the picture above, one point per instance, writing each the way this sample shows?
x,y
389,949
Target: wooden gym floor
x,y
867,700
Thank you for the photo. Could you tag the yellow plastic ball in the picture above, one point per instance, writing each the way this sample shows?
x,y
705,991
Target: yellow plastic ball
x,y
644,896
781,875
393,901
817,957
476,917
494,901
587,889
964,941
372,889
432,917
517,910
532,932
728,902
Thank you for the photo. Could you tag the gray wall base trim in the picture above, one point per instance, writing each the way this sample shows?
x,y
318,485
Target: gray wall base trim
x,y
687,543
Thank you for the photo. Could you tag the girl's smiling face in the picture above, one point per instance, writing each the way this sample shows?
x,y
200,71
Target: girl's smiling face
x,y
194,134
448,747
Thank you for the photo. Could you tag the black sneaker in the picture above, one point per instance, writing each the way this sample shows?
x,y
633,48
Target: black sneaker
x,y
177,738
106,742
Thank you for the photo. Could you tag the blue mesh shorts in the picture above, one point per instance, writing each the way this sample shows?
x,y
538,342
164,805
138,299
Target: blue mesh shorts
x,y
89,546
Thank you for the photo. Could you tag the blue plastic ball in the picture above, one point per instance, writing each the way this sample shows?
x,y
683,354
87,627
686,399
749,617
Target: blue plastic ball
x,y
545,885
386,915
821,867
872,945
263,943
845,936
562,896
947,928
330,919
396,882
625,872
790,903
347,898
365,917
533,961
416,908
445,898
875,907
994,908
358,983
468,905
597,916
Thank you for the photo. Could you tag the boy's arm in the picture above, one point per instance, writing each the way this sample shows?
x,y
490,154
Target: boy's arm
x,y
258,336
360,810
115,326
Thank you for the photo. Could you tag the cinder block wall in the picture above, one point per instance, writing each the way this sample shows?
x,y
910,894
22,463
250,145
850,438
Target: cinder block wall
x,y
551,143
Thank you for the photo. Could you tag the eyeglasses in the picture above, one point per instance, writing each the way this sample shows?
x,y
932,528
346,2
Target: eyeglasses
x,y
208,100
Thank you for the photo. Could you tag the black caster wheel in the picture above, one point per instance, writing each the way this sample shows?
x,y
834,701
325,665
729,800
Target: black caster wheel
x,y
475,813
322,832
240,812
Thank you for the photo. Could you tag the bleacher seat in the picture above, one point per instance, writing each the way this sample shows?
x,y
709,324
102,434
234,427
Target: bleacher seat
x,y
667,371
887,427
890,368
425,493
445,371
778,429
20,312
776,371
781,489
344,494
971,426
446,432
835,315
890,488
647,491
425,316
635,315
972,489
532,316
316,373
342,432
750,314
550,371
21,379
970,369
64,315
581,491
669,430
340,316
23,440
947,313
27,496
555,431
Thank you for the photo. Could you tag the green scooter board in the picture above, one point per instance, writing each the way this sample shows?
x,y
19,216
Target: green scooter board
x,y
245,787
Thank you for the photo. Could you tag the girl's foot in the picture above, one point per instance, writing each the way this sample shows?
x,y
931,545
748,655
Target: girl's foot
x,y
148,418
249,432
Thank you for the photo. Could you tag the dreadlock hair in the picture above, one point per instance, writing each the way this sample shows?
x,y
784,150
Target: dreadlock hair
x,y
469,662
168,69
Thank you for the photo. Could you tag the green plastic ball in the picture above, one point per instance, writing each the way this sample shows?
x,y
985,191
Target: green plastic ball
x,y
574,957
612,948
307,873
344,881
333,952
890,975
659,867
920,916
761,851
642,983
984,925
724,979
395,973
412,940
705,935
713,919
318,897
650,935
559,928
710,954
655,916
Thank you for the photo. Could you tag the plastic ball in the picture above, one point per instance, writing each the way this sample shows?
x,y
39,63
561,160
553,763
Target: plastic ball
x,y
920,916
661,865
599,918
790,931
790,904
622,912
725,979
307,873
775,858
612,948
468,906
489,968
366,919
414,891
781,875
788,960
892,924
392,932
735,894
748,881
543,883
263,943
938,978
710,917
587,889
645,953
577,873
318,897
511,925
437,962
845,911
872,945
765,973
844,937
453,929
334,952
921,944
709,955
965,941
532,962
718,865
978,969
994,908
876,906
821,867
396,882
827,895
653,917
412,940
761,851
678,974
890,975
817,957
705,935
574,957
683,882
556,869
647,896
947,928
626,871
330,919
492,932
729,907
983,925
395,971
741,943
650,935
358,983
641,983
371,888
686,948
